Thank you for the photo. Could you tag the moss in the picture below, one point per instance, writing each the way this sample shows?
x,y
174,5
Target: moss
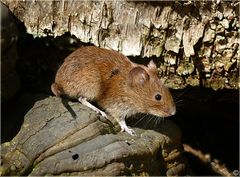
x,y
185,69
193,81
216,84
174,82
234,80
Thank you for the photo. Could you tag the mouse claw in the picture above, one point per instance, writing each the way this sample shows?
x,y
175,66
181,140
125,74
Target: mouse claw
x,y
130,131
124,128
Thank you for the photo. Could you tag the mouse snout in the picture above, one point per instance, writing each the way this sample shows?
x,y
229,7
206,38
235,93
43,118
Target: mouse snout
x,y
172,111
171,107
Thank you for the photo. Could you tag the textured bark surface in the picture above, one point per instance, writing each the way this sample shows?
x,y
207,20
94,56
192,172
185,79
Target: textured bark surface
x,y
72,140
195,43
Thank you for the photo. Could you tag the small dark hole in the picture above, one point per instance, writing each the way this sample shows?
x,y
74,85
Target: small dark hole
x,y
129,144
75,156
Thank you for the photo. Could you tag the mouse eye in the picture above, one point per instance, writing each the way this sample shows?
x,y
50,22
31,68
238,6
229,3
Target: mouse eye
x,y
158,97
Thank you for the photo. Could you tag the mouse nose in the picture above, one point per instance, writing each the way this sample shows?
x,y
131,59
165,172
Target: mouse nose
x,y
173,110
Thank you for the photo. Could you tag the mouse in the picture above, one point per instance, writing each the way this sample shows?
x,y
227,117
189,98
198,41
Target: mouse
x,y
119,86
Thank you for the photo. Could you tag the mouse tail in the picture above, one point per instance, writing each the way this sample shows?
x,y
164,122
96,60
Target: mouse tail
x,y
55,89
68,107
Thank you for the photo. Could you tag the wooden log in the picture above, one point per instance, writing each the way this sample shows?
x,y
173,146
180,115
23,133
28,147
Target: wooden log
x,y
59,137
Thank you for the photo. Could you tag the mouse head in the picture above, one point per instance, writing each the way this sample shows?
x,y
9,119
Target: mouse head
x,y
149,92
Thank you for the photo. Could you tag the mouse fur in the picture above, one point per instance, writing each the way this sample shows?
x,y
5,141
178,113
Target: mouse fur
x,y
119,86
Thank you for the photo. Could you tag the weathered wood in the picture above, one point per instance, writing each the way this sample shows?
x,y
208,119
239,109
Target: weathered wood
x,y
195,42
73,140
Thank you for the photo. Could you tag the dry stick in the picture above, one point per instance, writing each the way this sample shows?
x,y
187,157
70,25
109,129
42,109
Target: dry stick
x,y
206,159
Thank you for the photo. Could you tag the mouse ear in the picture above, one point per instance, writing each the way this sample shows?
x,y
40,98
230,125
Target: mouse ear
x,y
138,76
152,66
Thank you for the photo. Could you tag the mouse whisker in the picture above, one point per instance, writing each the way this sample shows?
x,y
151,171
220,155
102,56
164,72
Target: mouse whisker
x,y
145,122
153,122
179,104
156,122
161,120
139,120
148,121
181,94
179,101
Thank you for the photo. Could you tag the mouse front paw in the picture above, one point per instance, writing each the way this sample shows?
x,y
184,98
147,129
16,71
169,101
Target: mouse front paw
x,y
124,128
130,131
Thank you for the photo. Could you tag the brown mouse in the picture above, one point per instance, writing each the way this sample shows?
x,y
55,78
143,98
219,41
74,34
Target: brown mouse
x,y
119,86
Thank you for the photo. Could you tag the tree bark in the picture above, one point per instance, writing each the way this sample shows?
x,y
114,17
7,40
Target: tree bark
x,y
66,138
194,43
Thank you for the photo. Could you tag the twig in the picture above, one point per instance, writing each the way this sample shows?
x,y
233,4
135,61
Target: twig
x,y
207,160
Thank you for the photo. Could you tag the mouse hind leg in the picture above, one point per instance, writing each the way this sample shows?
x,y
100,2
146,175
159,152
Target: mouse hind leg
x,y
84,101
